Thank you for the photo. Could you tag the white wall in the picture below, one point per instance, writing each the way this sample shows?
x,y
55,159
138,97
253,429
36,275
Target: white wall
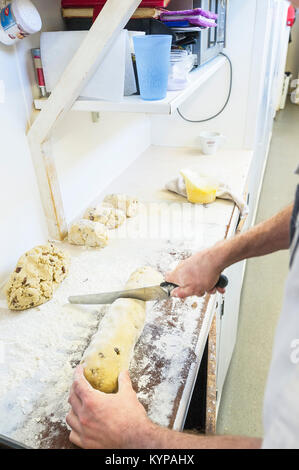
x,y
91,155
211,97
22,222
88,155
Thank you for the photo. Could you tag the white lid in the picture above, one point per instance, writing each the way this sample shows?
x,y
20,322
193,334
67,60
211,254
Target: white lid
x,y
27,15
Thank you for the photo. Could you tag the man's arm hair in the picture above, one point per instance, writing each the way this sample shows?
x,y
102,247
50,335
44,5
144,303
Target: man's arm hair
x,y
266,237
156,437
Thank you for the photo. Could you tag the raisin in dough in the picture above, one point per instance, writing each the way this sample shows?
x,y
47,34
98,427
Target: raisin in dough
x,y
129,205
106,215
112,347
37,274
88,233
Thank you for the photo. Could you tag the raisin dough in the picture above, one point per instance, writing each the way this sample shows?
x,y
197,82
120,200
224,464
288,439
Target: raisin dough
x,y
112,347
88,233
129,205
37,274
106,215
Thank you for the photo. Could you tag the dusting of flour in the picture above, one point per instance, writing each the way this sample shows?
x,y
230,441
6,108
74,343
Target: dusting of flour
x,y
42,346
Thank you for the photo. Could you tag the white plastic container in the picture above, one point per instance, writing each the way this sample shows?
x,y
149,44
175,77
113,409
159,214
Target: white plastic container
x,y
180,65
18,19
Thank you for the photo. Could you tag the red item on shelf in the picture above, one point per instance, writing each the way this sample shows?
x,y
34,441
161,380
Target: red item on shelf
x,y
291,16
96,12
98,3
79,3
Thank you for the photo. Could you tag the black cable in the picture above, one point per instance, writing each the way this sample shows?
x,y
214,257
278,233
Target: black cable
x,y
226,102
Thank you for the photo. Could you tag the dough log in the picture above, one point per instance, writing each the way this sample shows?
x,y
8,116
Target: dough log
x,y
111,349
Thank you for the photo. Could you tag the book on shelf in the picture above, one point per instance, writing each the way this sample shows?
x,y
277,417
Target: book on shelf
x,y
93,12
147,13
77,12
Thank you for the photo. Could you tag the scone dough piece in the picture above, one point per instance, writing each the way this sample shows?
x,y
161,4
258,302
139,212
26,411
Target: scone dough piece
x,y
106,215
128,204
88,233
37,274
111,348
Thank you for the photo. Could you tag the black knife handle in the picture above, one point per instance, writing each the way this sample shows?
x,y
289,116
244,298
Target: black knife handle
x,y
222,283
169,286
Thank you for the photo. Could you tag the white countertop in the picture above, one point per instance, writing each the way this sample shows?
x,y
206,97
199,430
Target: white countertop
x,y
147,176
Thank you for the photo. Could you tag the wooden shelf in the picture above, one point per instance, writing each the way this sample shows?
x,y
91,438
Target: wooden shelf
x,y
134,104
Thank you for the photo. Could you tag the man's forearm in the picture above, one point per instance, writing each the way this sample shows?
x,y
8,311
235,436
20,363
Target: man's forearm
x,y
267,237
156,437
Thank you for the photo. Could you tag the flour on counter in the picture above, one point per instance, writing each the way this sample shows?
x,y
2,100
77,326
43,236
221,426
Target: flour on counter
x,y
43,345
166,348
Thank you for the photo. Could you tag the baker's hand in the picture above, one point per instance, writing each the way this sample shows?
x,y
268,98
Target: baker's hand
x,y
197,275
105,421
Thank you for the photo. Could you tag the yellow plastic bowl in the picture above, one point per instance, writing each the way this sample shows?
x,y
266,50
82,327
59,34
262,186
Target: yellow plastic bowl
x,y
200,189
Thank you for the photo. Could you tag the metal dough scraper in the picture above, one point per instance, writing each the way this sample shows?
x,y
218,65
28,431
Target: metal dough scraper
x,y
161,292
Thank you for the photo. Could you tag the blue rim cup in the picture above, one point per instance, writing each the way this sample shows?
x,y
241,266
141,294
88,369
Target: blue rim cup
x,y
153,62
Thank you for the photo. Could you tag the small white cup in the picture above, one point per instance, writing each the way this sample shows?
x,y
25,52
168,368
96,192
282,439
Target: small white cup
x,y
210,142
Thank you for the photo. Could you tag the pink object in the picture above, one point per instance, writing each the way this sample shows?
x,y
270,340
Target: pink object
x,y
196,17
194,12
291,16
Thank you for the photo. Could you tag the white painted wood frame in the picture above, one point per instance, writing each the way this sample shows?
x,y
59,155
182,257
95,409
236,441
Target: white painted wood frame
x,y
105,29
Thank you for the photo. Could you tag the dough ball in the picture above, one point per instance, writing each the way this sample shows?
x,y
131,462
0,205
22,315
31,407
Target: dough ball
x,y
145,276
37,274
128,204
88,233
106,215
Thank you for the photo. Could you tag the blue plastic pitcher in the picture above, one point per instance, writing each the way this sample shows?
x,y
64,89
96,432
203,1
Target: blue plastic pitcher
x,y
152,60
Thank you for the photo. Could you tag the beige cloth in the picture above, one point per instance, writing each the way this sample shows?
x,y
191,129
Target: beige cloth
x,y
178,186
